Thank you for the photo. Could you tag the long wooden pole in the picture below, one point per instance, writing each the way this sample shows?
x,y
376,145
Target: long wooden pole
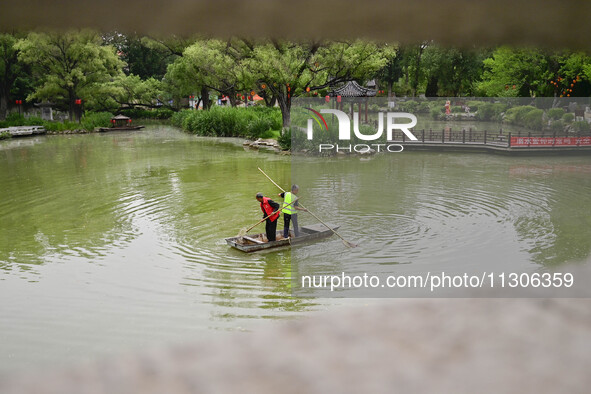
x,y
347,243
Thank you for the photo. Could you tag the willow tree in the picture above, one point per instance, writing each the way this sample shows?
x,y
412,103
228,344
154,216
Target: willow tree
x,y
69,66
212,64
288,69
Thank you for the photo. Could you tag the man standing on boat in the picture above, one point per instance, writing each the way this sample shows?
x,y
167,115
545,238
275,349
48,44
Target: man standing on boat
x,y
290,210
269,206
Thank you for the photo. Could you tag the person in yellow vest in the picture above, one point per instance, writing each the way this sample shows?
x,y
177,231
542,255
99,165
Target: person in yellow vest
x,y
290,212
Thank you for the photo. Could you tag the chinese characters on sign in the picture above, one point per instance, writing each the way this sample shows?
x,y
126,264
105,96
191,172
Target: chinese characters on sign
x,y
550,141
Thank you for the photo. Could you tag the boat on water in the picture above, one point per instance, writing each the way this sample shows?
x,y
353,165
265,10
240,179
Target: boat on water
x,y
252,243
120,123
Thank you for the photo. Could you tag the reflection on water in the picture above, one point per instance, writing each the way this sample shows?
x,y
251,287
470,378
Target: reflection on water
x,y
115,241
419,212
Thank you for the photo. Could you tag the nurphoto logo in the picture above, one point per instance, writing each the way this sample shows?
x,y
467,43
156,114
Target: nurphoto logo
x,y
344,128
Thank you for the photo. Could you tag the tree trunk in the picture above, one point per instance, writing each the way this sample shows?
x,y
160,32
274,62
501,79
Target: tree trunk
x,y
205,98
285,106
71,110
3,105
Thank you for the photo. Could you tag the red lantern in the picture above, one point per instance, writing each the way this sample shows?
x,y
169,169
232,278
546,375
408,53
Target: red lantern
x,y
327,99
308,89
338,99
78,101
572,84
113,121
288,89
129,121
315,93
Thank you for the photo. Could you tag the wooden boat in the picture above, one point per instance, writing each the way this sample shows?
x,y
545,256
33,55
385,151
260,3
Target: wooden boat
x,y
122,128
120,123
252,243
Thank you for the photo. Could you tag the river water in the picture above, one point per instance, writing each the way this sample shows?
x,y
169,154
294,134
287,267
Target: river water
x,y
113,242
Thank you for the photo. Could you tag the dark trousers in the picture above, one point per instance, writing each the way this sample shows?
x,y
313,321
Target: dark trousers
x,y
271,229
286,219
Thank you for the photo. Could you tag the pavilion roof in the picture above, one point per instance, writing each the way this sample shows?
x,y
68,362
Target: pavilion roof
x,y
353,89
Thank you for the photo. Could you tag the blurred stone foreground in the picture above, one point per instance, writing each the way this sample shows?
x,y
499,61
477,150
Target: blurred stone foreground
x,y
408,346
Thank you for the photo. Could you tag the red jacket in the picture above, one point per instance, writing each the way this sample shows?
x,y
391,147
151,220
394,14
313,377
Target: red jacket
x,y
268,209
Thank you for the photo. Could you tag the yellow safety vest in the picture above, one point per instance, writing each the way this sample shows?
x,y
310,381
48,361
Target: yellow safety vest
x,y
287,199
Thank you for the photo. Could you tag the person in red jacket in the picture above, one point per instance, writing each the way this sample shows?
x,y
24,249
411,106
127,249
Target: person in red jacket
x,y
269,206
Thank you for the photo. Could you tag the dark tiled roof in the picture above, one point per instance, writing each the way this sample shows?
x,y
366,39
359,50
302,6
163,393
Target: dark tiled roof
x,y
353,89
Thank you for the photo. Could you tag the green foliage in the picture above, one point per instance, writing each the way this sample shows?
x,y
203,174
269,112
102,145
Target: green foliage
x,y
555,113
89,122
534,119
490,111
5,135
437,113
516,115
285,140
69,66
557,125
568,117
139,113
92,120
408,106
580,126
526,116
254,122
474,105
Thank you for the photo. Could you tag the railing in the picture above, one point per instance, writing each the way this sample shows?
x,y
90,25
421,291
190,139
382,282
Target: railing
x,y
494,138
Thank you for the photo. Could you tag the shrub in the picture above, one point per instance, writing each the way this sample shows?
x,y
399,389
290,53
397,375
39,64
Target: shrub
x,y
252,122
485,111
436,113
516,115
5,135
568,117
580,126
557,125
555,113
96,119
285,140
534,119
424,107
408,106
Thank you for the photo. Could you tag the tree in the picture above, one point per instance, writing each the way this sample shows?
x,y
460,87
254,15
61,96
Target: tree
x,y
127,91
287,69
392,71
513,72
212,64
10,69
144,57
69,66
452,71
